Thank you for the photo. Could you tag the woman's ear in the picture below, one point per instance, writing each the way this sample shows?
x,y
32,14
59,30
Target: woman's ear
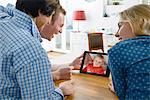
x,y
39,13
141,23
145,26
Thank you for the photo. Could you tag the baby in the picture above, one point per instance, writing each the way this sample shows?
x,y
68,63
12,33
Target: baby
x,y
98,66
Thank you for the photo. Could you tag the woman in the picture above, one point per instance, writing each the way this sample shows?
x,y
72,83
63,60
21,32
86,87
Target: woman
x,y
129,60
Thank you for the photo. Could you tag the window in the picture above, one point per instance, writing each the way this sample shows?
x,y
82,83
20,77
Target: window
x,y
5,2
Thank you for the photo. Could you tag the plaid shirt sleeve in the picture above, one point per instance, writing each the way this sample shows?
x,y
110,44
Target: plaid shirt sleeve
x,y
32,72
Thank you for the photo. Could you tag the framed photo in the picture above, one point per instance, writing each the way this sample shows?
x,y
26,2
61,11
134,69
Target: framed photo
x,y
95,63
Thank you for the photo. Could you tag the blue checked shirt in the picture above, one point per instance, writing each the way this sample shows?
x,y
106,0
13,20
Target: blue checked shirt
x,y
129,62
24,65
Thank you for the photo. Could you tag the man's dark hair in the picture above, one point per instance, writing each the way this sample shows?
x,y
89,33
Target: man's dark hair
x,y
33,7
59,9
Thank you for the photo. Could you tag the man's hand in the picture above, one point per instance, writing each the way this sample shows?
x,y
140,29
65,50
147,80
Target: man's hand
x,y
67,87
62,74
77,62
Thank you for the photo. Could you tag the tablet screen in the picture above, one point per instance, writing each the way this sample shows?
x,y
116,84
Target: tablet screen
x,y
95,63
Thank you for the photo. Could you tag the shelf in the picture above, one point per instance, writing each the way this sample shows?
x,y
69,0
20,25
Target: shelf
x,y
112,10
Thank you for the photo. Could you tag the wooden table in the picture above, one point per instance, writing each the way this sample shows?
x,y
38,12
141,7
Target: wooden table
x,y
90,87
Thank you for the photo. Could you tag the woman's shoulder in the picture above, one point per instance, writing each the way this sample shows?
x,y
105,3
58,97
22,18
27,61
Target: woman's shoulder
x,y
137,42
132,50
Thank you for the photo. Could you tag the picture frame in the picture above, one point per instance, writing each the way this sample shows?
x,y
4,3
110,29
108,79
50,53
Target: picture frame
x,y
95,63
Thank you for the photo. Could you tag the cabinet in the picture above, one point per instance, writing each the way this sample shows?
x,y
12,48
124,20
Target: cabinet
x,y
79,41
109,41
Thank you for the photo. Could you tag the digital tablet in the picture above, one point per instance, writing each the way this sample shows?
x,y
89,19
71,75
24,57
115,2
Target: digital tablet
x,y
95,63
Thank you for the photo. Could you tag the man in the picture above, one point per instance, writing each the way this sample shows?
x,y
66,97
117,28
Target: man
x,y
24,65
55,27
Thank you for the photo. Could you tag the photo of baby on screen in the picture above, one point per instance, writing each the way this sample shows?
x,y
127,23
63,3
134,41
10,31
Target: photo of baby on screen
x,y
94,63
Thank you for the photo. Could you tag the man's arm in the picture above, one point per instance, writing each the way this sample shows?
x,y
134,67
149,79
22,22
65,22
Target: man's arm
x,y
32,73
54,67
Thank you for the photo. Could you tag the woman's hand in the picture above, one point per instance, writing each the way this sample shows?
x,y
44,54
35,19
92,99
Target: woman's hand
x,y
110,85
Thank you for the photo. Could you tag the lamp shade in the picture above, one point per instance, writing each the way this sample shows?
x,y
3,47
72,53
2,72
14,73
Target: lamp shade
x,y
79,15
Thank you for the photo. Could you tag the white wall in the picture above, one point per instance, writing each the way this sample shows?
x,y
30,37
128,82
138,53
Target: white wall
x,y
5,2
94,14
93,11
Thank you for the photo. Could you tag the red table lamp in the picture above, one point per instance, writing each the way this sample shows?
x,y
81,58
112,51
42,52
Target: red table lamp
x,y
79,15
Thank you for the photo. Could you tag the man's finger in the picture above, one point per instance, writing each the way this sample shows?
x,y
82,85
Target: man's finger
x,y
71,67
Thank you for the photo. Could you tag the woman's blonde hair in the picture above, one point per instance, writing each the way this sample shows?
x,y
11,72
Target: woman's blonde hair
x,y
139,18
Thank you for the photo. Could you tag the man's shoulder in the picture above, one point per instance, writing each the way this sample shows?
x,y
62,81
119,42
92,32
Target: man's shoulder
x,y
19,38
26,40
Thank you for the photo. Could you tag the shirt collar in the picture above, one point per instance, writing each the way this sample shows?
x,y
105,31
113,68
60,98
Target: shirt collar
x,y
139,37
